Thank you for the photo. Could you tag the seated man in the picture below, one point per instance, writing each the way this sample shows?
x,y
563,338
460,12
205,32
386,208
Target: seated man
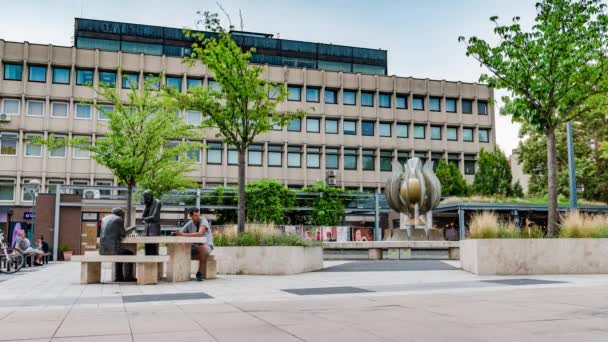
x,y
43,245
198,226
25,246
111,235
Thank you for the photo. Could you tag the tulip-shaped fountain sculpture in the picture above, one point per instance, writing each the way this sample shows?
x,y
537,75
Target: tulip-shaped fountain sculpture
x,y
413,191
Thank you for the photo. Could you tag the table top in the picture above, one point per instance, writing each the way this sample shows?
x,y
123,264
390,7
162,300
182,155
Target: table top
x,y
164,239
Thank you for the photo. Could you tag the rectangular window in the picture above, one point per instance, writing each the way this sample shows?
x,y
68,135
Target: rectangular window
x,y
349,97
81,153
450,105
419,131
27,194
469,164
84,77
332,158
467,134
384,129
313,157
402,130
254,155
367,99
313,125
295,125
482,108
386,160
59,152
421,155
452,133
312,94
331,126
59,109
435,104
7,190
401,102
349,127
484,135
214,85
31,149
350,159
102,112
294,93
61,75
194,155
174,82
435,132
418,103
294,156
368,159
402,157
13,72
367,128
233,157
467,106
37,73
108,78
11,106
83,111
35,108
193,83
331,96
274,91
152,82
130,81
51,186
275,155
384,100
214,153
8,144
194,118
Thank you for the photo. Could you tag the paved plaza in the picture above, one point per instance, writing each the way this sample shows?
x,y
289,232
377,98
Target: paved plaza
x,y
347,301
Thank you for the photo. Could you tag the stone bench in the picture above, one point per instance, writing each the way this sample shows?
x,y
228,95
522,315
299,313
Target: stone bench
x,y
209,271
376,250
146,266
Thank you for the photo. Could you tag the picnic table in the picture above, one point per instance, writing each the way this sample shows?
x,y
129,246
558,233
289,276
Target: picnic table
x,y
178,251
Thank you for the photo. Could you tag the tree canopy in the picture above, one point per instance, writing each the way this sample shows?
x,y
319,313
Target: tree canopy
x,y
493,175
452,182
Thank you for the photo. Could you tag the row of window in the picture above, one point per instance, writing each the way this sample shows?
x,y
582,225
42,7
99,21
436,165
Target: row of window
x,y
385,100
61,75
9,145
8,188
385,129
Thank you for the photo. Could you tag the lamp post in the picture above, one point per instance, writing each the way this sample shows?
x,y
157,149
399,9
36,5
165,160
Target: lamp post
x,y
32,187
571,166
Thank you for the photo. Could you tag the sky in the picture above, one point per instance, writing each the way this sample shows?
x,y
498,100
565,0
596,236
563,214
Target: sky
x,y
421,36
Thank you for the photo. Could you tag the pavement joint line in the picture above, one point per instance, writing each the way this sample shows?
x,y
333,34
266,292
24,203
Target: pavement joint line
x,y
124,306
265,321
64,318
197,323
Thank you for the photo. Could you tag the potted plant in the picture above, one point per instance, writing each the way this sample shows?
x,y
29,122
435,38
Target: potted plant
x,y
66,250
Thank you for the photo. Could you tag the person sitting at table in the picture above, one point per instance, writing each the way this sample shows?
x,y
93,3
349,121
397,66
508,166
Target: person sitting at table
x,y
198,226
25,246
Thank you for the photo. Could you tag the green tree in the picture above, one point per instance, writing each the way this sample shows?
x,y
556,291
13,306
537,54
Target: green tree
x,y
452,182
244,106
328,208
140,146
552,72
267,200
517,191
493,175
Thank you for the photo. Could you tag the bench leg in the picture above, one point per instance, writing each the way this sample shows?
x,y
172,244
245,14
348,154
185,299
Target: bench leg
x,y
210,269
90,272
147,273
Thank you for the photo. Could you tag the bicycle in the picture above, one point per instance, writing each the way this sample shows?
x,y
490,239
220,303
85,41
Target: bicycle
x,y
11,259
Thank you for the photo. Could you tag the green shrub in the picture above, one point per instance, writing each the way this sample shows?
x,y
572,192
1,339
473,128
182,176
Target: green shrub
x,y
259,236
576,225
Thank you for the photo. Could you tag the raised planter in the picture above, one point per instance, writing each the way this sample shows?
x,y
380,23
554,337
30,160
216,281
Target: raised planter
x,y
268,260
534,256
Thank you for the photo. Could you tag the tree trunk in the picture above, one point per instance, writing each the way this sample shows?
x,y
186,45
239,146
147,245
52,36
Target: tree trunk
x,y
552,214
129,203
241,211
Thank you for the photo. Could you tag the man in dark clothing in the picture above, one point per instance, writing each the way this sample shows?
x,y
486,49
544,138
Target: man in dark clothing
x,y
44,246
112,233
151,218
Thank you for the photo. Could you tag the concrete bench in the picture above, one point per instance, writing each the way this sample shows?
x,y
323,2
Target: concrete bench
x,y
209,271
146,266
375,250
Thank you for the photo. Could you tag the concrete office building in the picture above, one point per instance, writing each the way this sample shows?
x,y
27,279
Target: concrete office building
x,y
359,119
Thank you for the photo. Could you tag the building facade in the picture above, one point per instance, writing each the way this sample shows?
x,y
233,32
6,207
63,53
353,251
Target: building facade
x,y
356,123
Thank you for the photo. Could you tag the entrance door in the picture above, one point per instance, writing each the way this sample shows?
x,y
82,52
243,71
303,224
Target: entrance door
x,y
89,237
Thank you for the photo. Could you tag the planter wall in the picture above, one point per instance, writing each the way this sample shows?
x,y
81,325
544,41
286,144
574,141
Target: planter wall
x,y
534,256
268,260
